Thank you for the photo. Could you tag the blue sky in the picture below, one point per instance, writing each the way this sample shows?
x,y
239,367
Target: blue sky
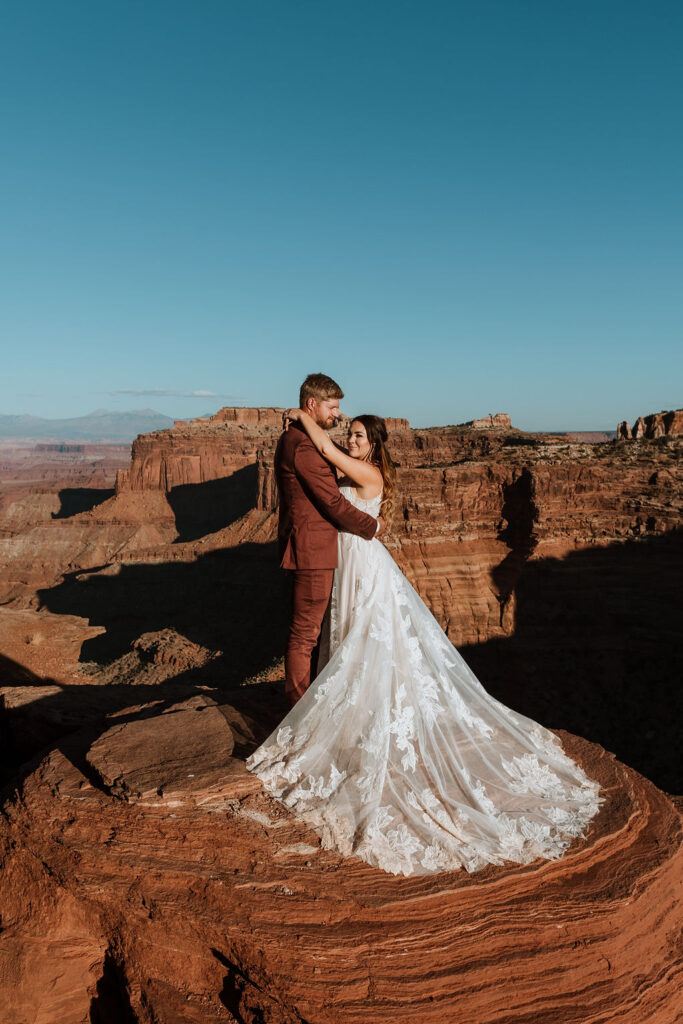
x,y
453,208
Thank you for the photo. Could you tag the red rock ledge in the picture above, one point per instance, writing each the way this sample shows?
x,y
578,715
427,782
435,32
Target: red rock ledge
x,y
147,878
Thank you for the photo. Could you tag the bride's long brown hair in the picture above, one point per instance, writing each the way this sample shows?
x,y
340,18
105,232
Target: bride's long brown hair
x,y
376,429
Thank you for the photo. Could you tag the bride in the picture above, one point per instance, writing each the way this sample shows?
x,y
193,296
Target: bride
x,y
396,753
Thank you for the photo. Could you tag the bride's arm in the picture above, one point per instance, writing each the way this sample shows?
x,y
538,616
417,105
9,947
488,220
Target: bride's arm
x,y
362,473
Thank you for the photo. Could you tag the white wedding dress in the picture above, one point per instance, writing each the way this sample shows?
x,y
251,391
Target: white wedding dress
x,y
396,753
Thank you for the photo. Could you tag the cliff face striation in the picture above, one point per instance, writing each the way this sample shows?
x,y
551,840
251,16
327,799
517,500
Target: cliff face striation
x,y
499,420
166,886
546,559
657,424
147,877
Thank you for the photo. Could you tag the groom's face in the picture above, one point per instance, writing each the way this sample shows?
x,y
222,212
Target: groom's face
x,y
325,411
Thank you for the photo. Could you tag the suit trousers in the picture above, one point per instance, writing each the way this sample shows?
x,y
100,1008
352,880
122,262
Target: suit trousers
x,y
311,590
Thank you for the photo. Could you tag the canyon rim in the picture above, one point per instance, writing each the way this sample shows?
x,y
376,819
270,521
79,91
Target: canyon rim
x,y
147,877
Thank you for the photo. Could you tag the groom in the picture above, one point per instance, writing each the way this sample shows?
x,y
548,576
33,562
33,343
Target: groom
x,y
312,510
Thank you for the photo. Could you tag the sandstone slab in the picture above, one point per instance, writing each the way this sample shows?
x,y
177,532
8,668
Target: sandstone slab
x,y
180,755
239,915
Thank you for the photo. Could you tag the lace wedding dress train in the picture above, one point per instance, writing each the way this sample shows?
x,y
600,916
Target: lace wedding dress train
x,y
398,755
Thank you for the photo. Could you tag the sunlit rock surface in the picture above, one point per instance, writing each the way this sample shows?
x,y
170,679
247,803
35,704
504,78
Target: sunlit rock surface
x,y
146,877
146,874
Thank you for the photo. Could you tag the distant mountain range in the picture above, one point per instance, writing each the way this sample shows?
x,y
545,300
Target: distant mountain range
x,y
100,425
106,425
587,435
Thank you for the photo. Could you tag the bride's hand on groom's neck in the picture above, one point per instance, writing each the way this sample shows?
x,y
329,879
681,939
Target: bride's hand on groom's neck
x,y
290,416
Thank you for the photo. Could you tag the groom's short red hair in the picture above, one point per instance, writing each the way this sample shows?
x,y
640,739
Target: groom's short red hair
x,y
320,386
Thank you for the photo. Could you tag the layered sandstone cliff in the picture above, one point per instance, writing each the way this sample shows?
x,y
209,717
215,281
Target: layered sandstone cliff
x,y
146,876
210,448
499,420
657,424
508,537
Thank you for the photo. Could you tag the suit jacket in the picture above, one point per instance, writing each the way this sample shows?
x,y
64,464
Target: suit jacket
x,y
312,509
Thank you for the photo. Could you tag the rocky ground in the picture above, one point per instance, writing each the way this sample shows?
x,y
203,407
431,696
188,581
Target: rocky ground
x,y
146,877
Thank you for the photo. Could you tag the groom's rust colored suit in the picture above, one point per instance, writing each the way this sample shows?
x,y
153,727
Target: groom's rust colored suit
x,y
312,510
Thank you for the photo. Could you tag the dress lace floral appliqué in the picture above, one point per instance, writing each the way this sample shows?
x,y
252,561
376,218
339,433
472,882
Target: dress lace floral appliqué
x,y
397,755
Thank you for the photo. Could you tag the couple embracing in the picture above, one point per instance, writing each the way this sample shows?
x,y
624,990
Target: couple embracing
x,y
394,752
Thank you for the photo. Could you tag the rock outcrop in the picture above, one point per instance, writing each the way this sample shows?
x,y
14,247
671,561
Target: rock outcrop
x,y
499,420
489,528
657,424
147,877
211,448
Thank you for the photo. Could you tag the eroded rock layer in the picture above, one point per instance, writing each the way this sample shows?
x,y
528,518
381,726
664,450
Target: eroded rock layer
x,y
166,886
544,559
657,424
145,875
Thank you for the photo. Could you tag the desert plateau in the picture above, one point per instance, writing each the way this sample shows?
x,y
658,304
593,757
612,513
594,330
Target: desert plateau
x,y
147,878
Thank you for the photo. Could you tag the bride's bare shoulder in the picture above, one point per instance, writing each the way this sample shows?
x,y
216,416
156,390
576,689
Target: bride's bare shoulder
x,y
375,488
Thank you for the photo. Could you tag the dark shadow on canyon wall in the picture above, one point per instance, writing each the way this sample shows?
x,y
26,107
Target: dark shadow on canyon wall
x,y
205,508
74,500
596,650
240,996
233,600
110,1004
70,717
519,513
12,748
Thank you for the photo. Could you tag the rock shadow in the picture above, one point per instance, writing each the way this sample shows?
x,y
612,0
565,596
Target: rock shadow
x,y
70,717
234,984
245,999
74,500
596,650
111,1004
12,751
519,513
205,508
233,600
